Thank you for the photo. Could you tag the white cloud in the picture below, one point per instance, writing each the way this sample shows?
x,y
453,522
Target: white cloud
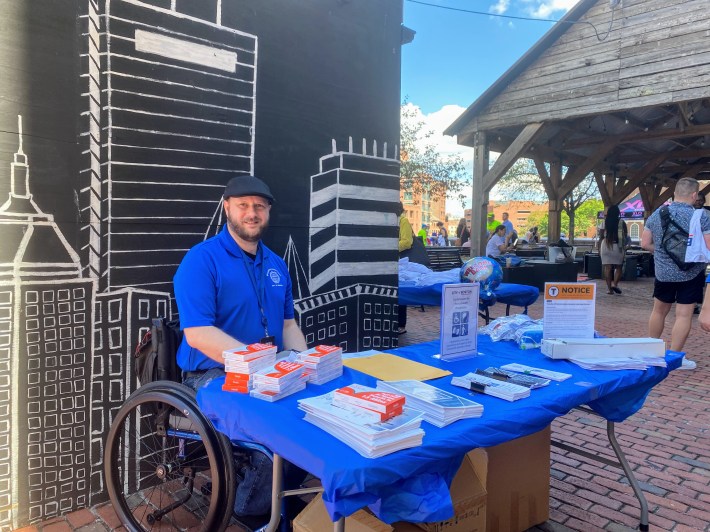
x,y
500,7
548,8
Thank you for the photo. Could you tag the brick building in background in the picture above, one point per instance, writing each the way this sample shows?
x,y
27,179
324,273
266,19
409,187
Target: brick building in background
x,y
424,209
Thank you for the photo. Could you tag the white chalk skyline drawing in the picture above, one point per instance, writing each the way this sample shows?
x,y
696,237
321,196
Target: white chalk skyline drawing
x,y
365,181
171,117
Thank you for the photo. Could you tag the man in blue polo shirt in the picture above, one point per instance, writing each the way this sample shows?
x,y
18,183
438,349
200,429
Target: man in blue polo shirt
x,y
232,290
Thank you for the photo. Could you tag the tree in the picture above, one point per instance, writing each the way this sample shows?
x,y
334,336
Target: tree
x,y
522,182
423,168
585,217
586,190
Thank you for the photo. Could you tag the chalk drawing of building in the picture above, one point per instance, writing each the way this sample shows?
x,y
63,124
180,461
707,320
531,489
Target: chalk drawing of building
x,y
46,316
121,317
359,317
169,119
351,299
353,231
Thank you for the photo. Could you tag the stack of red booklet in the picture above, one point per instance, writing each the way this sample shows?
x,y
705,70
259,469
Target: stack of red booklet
x,y
376,404
279,380
323,363
242,362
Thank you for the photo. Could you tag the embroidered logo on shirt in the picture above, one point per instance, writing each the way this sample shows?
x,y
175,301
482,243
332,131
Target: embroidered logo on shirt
x,y
274,276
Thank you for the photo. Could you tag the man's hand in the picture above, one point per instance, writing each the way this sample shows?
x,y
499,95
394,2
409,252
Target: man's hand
x,y
704,319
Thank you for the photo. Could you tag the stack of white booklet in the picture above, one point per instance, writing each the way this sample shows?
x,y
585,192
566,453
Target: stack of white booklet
x,y
440,407
617,363
323,362
356,428
538,372
496,388
500,374
278,380
242,362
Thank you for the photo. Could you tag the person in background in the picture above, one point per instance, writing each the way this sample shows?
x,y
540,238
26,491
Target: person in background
x,y
463,234
491,224
672,284
532,236
613,248
423,233
497,244
509,229
699,204
699,201
443,232
406,241
441,240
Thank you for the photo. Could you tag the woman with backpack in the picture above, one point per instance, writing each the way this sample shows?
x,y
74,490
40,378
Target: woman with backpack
x,y
612,248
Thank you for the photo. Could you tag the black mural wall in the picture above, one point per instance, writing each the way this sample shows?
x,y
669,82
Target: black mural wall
x,y
120,123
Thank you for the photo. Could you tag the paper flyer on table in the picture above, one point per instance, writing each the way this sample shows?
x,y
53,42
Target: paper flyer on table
x,y
569,310
459,320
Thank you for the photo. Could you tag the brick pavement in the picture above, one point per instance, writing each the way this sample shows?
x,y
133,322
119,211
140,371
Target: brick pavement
x,y
667,443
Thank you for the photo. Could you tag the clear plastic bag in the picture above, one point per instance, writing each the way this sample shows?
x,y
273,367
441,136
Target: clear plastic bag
x,y
504,328
529,336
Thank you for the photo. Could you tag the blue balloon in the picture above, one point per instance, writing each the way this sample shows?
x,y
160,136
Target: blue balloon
x,y
483,270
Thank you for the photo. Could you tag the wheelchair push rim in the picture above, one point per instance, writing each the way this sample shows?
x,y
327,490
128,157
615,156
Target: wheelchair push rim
x,y
158,477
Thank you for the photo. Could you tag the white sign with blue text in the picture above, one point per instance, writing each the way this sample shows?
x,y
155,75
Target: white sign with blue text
x,y
459,320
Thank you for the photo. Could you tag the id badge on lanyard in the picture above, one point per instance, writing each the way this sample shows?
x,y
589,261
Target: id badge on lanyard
x,y
259,292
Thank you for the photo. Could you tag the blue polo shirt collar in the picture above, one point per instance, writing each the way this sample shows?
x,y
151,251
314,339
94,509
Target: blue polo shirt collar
x,y
231,246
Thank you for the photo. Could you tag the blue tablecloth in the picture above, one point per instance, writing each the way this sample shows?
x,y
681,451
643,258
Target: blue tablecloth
x,y
413,484
519,295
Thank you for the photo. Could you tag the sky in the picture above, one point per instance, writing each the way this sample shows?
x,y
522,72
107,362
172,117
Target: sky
x,y
455,56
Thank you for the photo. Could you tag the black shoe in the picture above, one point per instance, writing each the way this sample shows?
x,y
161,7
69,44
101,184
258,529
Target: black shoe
x,y
616,289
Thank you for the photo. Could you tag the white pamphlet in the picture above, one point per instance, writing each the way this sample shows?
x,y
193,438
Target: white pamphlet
x,y
459,320
569,310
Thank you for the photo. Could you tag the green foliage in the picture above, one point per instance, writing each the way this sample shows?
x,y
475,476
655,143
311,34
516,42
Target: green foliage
x,y
423,168
520,182
585,217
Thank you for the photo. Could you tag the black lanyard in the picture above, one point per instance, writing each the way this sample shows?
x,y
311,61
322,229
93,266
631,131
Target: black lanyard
x,y
258,287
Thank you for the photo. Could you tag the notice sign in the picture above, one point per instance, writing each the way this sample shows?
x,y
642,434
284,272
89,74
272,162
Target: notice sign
x,y
569,310
459,320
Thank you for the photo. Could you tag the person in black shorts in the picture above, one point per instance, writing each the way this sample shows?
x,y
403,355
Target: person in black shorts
x,y
673,285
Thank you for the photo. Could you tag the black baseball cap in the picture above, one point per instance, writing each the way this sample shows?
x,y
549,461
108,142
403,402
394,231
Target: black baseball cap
x,y
247,185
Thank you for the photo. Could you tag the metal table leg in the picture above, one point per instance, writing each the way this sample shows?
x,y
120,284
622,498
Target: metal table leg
x,y
643,525
278,494
622,463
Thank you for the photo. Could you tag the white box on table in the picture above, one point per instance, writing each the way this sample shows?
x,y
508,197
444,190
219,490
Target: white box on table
x,y
563,348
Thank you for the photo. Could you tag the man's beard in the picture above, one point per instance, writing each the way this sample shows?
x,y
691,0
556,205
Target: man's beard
x,y
244,233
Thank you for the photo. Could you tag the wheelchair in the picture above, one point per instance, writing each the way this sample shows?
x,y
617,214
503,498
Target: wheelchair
x,y
167,467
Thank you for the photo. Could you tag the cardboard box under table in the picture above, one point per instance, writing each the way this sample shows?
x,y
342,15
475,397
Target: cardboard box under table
x,y
467,494
516,476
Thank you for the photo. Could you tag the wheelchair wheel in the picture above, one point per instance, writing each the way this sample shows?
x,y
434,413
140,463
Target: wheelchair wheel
x,y
165,465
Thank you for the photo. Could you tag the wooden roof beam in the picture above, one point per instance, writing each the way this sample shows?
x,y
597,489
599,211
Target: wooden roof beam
x,y
603,181
574,177
520,145
544,177
661,134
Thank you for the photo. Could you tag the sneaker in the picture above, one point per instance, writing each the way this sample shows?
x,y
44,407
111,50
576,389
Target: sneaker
x,y
687,364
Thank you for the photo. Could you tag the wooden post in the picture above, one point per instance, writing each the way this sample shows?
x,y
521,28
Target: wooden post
x,y
479,197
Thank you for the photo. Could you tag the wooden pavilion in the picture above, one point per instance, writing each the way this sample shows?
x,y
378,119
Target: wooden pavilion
x,y
617,88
